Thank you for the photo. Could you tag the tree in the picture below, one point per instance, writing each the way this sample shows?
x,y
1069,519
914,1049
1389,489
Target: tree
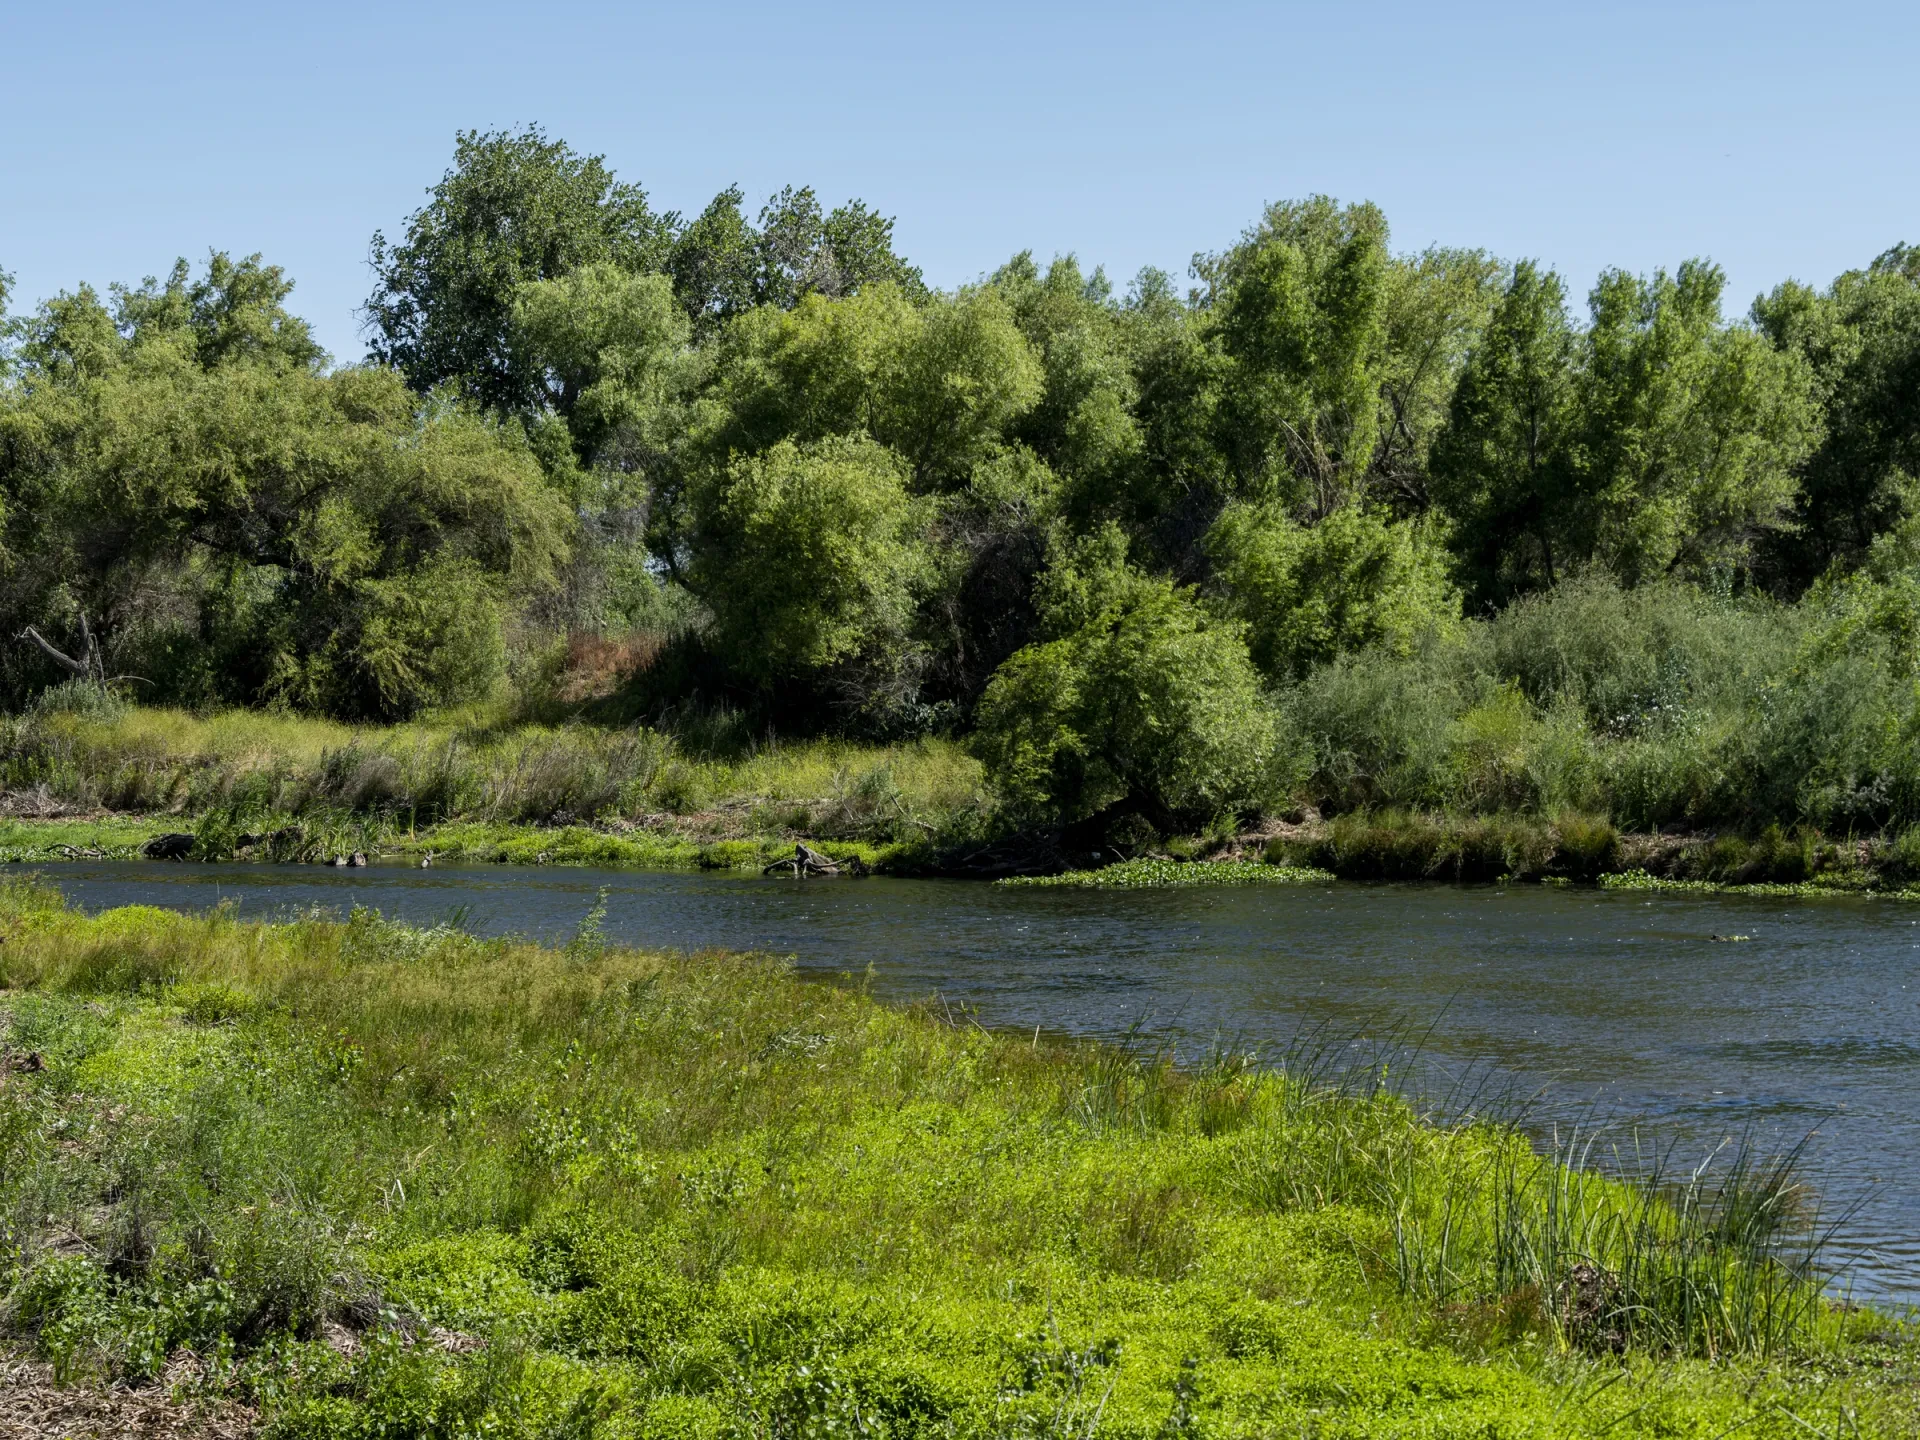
x,y
1499,463
1299,310
237,524
938,382
809,557
515,208
1311,593
715,264
803,251
1082,422
1689,430
1661,440
1861,337
1436,307
610,348
1139,702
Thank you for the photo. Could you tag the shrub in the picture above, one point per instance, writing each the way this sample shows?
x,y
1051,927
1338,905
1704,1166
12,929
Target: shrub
x,y
808,556
1145,703
1308,593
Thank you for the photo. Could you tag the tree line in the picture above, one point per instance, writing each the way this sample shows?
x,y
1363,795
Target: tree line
x,y
1108,534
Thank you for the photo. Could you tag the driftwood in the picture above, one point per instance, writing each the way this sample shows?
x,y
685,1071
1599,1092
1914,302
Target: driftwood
x,y
806,861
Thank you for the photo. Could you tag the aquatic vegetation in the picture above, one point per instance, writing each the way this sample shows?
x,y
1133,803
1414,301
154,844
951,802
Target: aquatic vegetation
x,y
1154,873
1641,880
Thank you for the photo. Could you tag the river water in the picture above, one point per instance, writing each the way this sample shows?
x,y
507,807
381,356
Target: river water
x,y
1614,1004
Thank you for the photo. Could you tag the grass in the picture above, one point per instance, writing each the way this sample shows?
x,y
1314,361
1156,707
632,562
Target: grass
x,y
474,786
383,1181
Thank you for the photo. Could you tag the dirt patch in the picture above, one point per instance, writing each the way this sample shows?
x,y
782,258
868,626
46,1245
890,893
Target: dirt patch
x,y
32,1407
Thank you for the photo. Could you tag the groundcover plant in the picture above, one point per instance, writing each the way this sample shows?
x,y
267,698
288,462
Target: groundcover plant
x,y
345,1178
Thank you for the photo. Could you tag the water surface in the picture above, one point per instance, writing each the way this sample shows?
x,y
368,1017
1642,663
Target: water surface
x,y
1616,1001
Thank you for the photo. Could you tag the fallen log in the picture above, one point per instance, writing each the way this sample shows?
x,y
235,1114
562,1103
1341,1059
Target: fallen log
x,y
805,861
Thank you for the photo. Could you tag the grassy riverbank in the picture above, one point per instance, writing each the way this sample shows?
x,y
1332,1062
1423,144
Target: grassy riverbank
x,y
479,787
373,1181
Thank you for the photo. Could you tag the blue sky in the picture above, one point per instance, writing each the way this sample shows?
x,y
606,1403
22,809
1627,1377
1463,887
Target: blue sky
x,y
1778,140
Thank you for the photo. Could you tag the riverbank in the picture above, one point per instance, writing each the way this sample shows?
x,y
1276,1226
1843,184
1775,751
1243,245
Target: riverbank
x,y
362,1179
481,787
1391,847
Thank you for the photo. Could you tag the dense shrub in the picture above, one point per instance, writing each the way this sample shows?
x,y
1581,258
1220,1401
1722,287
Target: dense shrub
x,y
1143,702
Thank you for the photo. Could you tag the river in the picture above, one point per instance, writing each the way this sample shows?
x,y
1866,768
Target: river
x,y
1620,1004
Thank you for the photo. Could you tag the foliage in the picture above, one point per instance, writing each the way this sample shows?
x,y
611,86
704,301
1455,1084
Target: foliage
x,y
1152,874
808,557
1861,338
515,208
249,528
1160,555
1657,441
1141,703
1356,579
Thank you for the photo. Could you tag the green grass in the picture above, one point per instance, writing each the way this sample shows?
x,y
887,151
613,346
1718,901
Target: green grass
x,y
387,1181
1155,874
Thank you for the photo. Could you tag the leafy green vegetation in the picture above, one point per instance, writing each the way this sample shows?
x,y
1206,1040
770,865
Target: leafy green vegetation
x,y
620,499
384,1180
1151,874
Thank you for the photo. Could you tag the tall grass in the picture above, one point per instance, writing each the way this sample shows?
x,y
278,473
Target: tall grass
x,y
246,765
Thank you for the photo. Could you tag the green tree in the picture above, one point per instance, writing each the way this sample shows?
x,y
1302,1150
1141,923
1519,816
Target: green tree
x,y
1310,593
1082,422
1299,310
1137,702
1499,464
715,264
1861,337
1690,430
808,555
803,251
611,347
237,524
515,208
939,382
961,376
1436,307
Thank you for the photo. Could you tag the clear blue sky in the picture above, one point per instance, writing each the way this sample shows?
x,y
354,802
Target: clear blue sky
x,y
1780,141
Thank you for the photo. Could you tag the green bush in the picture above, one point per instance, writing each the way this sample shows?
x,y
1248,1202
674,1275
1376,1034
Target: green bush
x,y
1354,580
1144,703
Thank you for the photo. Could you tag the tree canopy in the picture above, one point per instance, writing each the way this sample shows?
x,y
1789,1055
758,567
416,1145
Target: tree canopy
x,y
1117,535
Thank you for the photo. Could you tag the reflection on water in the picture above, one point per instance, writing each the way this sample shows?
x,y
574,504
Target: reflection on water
x,y
1620,1001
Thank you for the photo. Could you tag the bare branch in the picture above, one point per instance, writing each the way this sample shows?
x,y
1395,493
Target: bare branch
x,y
82,668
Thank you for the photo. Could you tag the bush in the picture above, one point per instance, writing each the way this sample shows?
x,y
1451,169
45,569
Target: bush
x,y
808,557
1145,704
1354,580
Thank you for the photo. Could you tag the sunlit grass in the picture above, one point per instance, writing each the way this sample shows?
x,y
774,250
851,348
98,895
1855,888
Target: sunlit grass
x,y
696,1195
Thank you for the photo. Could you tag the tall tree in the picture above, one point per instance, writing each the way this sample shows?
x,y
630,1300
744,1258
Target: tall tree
x,y
1437,305
1499,463
1862,338
516,207
1300,314
1689,430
